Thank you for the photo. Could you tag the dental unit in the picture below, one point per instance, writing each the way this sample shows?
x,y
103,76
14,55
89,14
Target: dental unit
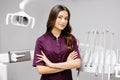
x,y
97,57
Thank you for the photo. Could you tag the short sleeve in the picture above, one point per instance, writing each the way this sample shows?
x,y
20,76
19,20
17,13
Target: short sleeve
x,y
75,47
37,50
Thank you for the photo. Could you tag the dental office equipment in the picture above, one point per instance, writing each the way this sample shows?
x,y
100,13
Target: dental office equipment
x,y
19,55
100,52
104,54
21,18
86,47
111,51
99,56
88,50
94,48
117,67
3,71
14,57
118,56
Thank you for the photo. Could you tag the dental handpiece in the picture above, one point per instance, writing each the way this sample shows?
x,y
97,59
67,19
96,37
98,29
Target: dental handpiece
x,y
94,48
90,47
86,45
103,67
99,52
111,45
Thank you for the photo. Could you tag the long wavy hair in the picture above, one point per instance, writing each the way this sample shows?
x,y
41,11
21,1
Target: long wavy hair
x,y
67,31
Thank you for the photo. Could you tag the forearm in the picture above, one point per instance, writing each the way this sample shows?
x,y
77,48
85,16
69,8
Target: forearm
x,y
48,70
68,64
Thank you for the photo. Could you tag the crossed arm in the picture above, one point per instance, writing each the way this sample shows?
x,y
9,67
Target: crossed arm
x,y
72,62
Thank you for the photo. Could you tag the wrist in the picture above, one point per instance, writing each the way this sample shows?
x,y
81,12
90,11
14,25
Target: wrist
x,y
51,65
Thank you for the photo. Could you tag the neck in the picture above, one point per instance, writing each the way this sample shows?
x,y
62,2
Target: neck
x,y
56,32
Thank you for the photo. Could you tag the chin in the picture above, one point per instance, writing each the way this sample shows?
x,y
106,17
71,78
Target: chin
x,y
62,28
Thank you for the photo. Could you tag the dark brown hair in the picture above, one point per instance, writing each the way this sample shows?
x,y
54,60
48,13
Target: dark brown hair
x,y
51,22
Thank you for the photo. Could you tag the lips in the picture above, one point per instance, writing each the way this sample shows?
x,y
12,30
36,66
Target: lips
x,y
63,26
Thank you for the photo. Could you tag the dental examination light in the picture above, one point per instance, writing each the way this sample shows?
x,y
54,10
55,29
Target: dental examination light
x,y
21,18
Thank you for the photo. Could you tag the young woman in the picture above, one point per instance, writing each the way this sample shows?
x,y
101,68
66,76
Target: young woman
x,y
56,51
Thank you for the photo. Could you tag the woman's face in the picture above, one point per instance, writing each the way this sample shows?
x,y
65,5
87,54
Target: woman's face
x,y
61,20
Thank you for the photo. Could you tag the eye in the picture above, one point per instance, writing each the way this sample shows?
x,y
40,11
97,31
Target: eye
x,y
60,17
66,18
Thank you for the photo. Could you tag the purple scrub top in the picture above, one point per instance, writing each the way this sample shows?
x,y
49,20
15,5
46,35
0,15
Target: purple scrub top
x,y
56,51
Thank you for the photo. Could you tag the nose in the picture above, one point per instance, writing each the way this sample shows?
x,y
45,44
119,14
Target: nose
x,y
63,20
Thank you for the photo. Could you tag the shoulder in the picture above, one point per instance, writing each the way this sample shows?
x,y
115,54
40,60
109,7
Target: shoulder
x,y
74,39
72,36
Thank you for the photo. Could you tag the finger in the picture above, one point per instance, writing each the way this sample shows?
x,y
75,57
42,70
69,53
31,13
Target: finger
x,y
40,58
42,53
74,57
73,53
38,55
38,61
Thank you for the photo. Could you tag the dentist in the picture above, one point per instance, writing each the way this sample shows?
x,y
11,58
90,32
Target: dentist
x,y
56,51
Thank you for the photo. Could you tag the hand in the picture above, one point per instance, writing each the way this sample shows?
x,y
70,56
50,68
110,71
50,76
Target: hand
x,y
43,58
72,56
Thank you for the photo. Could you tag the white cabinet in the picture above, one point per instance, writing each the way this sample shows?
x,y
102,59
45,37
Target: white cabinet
x,y
3,71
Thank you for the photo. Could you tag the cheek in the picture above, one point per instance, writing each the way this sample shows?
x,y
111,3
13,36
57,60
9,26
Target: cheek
x,y
66,22
56,23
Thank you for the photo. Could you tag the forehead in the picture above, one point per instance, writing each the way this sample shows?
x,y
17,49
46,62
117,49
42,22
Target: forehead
x,y
63,13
